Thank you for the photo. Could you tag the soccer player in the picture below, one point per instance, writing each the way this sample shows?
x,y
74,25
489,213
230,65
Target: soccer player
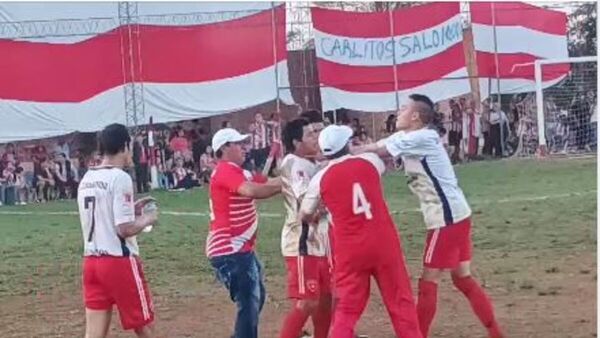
x,y
445,210
366,242
304,246
233,225
112,269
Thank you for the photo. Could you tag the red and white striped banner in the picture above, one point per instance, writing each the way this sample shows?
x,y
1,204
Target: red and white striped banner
x,y
524,33
373,61
58,83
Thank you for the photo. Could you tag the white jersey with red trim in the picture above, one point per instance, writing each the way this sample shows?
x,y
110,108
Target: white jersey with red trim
x,y
105,200
300,239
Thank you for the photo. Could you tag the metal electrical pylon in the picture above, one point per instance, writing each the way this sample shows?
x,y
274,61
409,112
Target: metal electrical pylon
x,y
133,89
56,28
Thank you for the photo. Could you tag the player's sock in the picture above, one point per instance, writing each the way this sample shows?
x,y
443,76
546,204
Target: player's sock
x,y
322,320
480,303
293,323
426,305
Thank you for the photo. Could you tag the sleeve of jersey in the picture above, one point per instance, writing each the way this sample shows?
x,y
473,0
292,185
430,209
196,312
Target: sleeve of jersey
x,y
299,181
415,143
123,204
312,197
230,178
375,161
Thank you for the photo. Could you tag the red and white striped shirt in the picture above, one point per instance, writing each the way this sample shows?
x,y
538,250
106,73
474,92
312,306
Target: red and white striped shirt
x,y
260,137
233,218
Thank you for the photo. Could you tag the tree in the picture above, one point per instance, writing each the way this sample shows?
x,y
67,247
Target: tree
x,y
582,30
377,6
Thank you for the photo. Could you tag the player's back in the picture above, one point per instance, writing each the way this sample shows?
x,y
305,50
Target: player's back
x,y
351,190
105,200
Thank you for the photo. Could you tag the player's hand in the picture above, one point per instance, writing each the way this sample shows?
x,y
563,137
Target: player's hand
x,y
152,217
150,212
275,181
141,203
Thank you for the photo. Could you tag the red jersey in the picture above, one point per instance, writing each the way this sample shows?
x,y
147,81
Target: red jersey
x,y
233,218
350,188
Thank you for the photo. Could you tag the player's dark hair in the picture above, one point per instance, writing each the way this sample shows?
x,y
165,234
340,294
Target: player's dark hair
x,y
342,152
422,99
312,116
113,139
424,106
293,131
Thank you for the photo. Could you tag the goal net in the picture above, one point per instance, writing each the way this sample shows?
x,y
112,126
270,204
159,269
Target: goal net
x,y
567,111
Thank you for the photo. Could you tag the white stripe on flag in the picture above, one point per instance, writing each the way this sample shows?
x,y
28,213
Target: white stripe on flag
x,y
513,40
512,86
358,51
453,84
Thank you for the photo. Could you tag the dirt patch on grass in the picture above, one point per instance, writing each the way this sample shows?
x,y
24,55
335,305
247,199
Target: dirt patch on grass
x,y
535,295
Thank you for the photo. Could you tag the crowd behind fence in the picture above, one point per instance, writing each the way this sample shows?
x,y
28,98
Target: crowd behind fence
x,y
475,129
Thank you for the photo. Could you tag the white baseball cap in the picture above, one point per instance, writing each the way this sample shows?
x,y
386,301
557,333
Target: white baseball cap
x,y
334,138
226,135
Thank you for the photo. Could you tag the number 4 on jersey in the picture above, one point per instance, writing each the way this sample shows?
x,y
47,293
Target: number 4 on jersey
x,y
360,205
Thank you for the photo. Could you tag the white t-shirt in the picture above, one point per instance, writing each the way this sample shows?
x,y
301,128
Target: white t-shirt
x,y
300,239
497,117
430,175
105,200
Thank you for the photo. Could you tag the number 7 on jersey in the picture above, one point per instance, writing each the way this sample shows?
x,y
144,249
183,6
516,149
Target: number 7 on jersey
x,y
360,205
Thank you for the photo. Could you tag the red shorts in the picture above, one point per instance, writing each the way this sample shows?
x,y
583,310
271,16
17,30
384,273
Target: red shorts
x,y
308,277
446,247
111,280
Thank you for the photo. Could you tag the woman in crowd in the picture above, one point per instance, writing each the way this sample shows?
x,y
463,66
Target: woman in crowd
x,y
184,178
179,143
390,125
45,181
21,187
207,164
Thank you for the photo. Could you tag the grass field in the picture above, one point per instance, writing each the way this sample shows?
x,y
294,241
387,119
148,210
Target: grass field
x,y
535,251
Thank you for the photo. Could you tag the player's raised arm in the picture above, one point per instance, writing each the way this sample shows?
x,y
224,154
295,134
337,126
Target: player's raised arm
x,y
417,123
260,190
378,148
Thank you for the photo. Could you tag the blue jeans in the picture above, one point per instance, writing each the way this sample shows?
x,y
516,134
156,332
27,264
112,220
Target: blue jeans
x,y
163,181
241,274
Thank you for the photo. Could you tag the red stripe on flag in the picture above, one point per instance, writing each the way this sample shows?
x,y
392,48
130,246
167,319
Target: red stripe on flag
x,y
367,79
507,62
418,18
351,24
212,52
45,72
377,24
520,14
60,73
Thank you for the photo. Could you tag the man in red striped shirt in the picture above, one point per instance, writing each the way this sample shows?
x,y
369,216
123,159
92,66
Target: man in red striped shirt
x,y
233,226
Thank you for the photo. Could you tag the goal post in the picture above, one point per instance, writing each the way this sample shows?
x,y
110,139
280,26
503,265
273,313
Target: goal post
x,y
569,105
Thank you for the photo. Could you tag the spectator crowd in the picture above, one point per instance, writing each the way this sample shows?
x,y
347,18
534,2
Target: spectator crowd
x,y
38,172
